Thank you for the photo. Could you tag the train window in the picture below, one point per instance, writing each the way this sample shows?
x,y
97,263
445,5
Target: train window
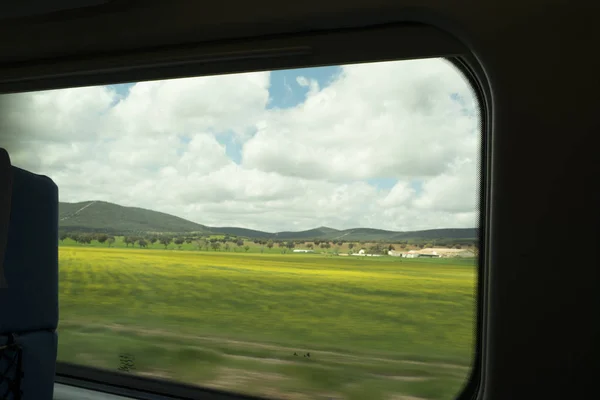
x,y
299,233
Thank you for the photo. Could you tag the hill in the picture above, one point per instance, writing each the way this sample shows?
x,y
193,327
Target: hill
x,y
371,234
243,232
101,216
321,232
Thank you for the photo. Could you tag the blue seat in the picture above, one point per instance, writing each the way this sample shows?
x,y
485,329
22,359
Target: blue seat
x,y
38,359
29,300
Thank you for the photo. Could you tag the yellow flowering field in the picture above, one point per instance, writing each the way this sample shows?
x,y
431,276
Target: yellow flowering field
x,y
372,327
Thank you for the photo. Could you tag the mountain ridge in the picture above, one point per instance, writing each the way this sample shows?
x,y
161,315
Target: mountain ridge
x,y
103,216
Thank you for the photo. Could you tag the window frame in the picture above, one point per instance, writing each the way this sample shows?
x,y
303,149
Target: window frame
x,y
276,52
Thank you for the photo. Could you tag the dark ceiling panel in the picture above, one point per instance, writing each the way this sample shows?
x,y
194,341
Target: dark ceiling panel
x,y
28,8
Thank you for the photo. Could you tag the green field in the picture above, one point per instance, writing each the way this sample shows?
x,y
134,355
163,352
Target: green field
x,y
376,328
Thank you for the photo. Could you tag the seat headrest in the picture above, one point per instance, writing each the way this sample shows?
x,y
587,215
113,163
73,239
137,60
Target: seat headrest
x,y
5,200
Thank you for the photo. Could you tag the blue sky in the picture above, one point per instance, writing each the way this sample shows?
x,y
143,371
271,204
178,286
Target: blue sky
x,y
286,92
122,89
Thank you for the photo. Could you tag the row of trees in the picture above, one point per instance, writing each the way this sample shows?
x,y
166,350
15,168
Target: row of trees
x,y
228,242
86,238
202,243
165,240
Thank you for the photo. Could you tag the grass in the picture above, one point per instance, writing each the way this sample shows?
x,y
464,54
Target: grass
x,y
375,326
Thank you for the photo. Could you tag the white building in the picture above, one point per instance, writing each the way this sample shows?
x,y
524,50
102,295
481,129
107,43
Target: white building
x,y
303,251
438,253
444,252
411,254
361,253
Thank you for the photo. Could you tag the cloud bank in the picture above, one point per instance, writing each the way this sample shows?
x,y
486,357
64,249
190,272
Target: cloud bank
x,y
328,160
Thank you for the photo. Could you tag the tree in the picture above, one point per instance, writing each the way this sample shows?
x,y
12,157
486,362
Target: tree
x,y
290,244
165,241
310,246
391,247
179,241
246,247
239,243
188,240
270,244
350,246
317,242
142,243
215,245
153,240
227,246
377,249
110,241
126,241
84,238
102,238
63,236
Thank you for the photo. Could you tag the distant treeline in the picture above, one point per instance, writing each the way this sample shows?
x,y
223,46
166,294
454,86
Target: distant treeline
x,y
225,242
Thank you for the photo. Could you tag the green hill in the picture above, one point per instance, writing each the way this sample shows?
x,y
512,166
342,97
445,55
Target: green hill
x,y
317,233
101,216
242,232
358,234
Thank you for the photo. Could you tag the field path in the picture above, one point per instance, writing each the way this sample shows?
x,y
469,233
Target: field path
x,y
175,335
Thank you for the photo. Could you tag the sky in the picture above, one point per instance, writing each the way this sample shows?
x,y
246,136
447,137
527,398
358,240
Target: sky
x,y
390,145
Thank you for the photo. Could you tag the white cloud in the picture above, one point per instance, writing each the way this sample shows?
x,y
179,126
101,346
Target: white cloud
x,y
302,167
302,81
455,190
387,119
401,194
311,84
191,105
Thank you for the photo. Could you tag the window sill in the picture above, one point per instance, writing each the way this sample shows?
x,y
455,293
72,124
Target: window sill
x,y
67,392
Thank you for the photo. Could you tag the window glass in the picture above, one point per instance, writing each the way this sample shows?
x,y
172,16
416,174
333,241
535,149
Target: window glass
x,y
297,234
